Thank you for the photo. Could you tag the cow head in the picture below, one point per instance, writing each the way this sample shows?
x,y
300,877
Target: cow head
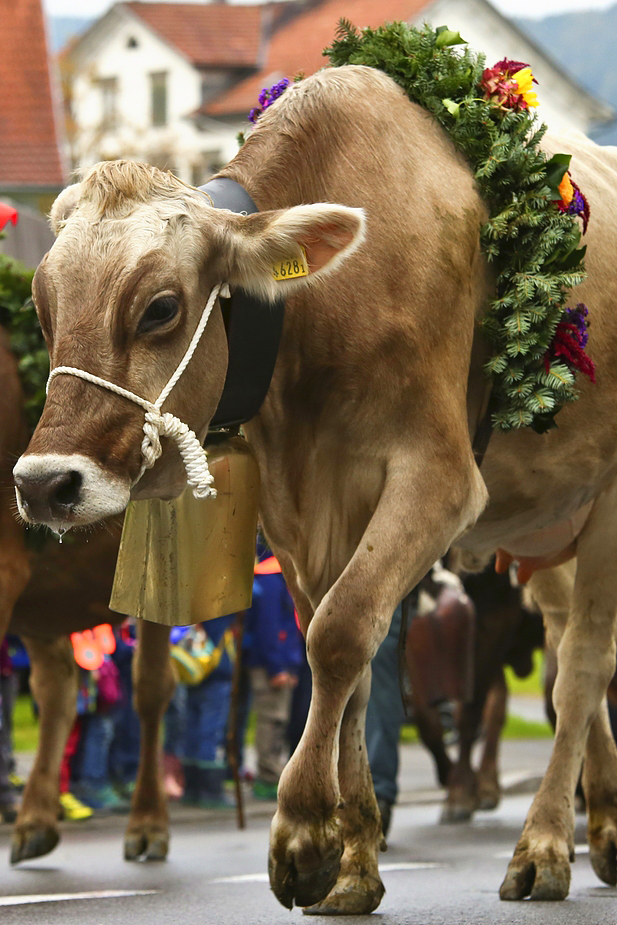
x,y
119,295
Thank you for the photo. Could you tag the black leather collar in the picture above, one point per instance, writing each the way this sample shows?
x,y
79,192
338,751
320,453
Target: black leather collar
x,y
253,329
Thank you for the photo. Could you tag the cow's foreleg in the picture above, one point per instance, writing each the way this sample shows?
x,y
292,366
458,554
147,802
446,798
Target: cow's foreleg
x,y
412,526
147,832
586,663
53,681
358,889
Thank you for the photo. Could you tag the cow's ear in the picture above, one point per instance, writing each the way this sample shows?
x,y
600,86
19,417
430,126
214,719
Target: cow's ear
x,y
63,206
275,253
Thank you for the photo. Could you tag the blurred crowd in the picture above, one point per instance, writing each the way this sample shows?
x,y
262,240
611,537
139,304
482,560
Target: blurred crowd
x,y
271,688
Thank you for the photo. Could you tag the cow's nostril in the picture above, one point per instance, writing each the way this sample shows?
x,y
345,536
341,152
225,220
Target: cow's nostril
x,y
67,487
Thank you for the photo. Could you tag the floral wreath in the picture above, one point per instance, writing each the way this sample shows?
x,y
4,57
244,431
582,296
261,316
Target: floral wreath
x,y
533,234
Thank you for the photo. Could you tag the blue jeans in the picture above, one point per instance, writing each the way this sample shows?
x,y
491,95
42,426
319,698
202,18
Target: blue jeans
x,y
98,731
385,715
175,723
124,751
207,708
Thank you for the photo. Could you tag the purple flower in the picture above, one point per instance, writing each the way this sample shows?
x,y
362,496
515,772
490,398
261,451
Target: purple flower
x,y
577,206
267,96
578,317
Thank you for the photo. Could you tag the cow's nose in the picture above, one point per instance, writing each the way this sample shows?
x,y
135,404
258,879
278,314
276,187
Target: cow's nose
x,y
49,495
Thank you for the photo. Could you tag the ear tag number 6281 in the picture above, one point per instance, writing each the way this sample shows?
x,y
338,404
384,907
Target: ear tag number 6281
x,y
291,268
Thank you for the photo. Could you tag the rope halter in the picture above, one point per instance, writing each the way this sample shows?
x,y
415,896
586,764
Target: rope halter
x,y
159,425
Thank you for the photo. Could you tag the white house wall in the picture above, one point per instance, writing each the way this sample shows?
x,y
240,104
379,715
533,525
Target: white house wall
x,y
105,54
561,106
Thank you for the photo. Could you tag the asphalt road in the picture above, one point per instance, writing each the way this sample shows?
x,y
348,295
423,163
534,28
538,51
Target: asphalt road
x,y
434,875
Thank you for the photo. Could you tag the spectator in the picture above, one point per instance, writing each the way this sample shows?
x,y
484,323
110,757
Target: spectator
x,y
173,743
124,749
90,771
8,792
204,660
274,657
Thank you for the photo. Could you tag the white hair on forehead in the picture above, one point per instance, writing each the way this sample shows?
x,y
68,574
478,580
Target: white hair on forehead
x,y
114,188
135,229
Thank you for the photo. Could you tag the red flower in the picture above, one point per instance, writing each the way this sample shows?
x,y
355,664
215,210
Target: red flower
x,y
508,84
569,344
7,214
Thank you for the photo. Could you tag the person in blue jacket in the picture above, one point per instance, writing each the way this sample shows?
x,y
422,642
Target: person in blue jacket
x,y
274,654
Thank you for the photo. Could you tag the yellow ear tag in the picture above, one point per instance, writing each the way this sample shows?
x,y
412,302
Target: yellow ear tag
x,y
291,268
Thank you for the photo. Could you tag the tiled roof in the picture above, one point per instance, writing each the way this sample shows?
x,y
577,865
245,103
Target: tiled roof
x,y
29,154
209,35
298,45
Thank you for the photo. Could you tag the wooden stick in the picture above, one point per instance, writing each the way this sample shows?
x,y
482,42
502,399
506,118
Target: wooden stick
x,y
232,729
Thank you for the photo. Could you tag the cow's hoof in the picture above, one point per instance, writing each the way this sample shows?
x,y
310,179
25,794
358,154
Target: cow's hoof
x,y
489,800
603,852
489,794
147,844
30,841
543,874
304,861
455,812
352,895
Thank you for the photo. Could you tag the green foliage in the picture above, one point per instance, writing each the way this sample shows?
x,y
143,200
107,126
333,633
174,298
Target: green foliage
x,y
532,245
18,316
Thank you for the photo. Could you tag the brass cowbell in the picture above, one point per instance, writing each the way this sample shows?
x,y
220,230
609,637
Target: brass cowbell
x,y
186,560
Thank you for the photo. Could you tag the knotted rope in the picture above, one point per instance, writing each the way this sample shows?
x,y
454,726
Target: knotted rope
x,y
159,425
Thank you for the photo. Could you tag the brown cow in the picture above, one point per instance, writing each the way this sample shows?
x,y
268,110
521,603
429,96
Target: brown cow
x,y
505,634
363,442
68,591
43,596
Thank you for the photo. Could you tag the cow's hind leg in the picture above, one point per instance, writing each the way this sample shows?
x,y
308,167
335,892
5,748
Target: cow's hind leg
x,y
489,790
586,662
359,889
147,832
600,786
53,681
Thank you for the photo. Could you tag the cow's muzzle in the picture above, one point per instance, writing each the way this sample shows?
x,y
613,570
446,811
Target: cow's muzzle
x,y
66,491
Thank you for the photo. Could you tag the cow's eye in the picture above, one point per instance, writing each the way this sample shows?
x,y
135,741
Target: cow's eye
x,y
158,313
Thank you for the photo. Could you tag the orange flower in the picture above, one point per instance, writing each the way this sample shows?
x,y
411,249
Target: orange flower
x,y
566,190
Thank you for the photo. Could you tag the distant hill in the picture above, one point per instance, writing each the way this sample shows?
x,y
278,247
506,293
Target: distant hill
x,y
64,28
584,45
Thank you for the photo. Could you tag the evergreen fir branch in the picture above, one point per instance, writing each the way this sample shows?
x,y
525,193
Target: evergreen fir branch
x,y
534,247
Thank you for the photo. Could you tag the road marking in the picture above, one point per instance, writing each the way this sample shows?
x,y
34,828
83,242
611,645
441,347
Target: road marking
x,y
243,878
578,849
383,868
31,898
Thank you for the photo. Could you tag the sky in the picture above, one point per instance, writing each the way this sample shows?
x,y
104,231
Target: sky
x,y
531,8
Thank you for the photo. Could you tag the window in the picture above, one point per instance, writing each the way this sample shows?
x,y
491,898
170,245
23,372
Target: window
x,y
132,42
158,87
109,96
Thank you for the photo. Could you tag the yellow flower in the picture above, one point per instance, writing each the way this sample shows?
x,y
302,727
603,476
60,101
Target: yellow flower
x,y
524,81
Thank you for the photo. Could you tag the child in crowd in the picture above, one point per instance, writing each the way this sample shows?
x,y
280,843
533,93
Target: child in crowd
x,y
204,659
86,757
